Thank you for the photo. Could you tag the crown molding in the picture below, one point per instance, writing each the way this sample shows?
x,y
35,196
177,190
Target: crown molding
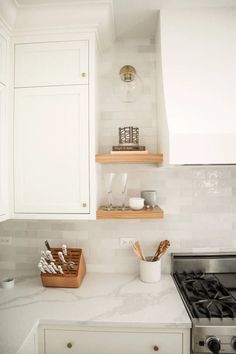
x,y
95,15
75,31
5,26
8,12
64,2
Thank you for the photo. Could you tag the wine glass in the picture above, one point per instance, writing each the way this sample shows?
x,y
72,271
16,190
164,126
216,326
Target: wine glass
x,y
108,185
123,177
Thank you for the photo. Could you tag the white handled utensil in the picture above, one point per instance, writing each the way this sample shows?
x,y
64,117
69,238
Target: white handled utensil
x,y
64,250
60,255
49,256
40,267
60,270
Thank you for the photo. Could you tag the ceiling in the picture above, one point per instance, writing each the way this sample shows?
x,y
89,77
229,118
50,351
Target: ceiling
x,y
137,18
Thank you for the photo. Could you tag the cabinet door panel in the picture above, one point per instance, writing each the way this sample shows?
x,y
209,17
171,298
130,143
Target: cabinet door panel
x,y
57,341
3,152
51,163
54,63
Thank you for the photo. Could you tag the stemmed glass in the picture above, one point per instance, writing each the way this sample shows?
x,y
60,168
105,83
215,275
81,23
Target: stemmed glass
x,y
108,185
123,177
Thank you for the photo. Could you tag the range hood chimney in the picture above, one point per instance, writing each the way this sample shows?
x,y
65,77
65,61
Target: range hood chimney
x,y
196,62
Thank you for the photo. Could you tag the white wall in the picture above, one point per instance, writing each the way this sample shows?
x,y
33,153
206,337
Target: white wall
x,y
198,49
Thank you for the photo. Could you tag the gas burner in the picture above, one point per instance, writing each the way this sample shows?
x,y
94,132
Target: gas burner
x,y
215,307
206,296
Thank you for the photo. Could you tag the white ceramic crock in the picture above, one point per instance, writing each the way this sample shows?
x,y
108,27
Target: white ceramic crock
x,y
150,272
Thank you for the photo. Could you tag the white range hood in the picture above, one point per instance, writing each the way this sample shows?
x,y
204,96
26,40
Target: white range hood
x,y
196,60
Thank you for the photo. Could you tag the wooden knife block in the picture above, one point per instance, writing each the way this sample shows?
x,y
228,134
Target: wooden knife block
x,y
70,278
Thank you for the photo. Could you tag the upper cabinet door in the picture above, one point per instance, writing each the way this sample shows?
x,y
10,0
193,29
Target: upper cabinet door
x,y
51,154
52,63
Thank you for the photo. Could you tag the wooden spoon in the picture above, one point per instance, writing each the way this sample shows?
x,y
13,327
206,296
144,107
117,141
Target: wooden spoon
x,y
163,246
157,251
138,250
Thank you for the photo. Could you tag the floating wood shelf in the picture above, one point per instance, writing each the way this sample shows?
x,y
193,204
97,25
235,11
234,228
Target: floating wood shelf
x,y
129,158
156,213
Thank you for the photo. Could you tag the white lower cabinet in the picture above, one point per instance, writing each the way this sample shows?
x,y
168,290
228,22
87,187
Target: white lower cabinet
x,y
51,150
112,342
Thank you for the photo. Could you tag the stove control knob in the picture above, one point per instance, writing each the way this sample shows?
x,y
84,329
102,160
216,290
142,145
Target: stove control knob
x,y
234,343
213,344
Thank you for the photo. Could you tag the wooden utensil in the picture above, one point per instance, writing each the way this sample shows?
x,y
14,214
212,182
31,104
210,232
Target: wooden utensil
x,y
138,250
157,251
163,246
164,251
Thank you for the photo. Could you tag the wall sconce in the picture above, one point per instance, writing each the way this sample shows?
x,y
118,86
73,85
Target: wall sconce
x,y
130,86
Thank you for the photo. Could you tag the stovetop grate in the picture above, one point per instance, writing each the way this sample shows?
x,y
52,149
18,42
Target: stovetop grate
x,y
205,296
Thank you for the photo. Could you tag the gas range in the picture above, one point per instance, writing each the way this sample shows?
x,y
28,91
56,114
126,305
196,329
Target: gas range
x,y
207,285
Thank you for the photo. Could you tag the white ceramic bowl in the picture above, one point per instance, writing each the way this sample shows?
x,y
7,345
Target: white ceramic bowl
x,y
136,203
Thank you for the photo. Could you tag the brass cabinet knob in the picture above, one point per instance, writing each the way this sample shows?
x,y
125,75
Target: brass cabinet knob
x,y
84,205
69,345
83,74
155,348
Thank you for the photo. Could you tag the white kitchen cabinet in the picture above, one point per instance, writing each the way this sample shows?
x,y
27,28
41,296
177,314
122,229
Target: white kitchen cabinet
x,y
111,342
3,155
54,126
3,60
53,63
4,90
51,151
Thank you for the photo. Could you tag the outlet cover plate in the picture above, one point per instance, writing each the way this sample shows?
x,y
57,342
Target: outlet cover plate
x,y
127,242
5,241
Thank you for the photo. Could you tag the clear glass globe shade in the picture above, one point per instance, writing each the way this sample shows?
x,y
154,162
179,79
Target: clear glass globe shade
x,y
129,91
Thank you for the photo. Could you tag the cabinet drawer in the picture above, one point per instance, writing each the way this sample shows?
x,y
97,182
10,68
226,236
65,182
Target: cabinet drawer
x,y
54,63
88,342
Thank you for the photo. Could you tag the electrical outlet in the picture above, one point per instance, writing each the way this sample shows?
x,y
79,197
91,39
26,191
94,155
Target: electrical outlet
x,y
5,241
126,242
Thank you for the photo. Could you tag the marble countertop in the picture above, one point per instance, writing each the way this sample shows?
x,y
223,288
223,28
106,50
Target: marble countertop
x,y
119,300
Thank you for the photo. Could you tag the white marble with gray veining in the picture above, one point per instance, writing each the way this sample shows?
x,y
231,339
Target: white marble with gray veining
x,y
118,300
